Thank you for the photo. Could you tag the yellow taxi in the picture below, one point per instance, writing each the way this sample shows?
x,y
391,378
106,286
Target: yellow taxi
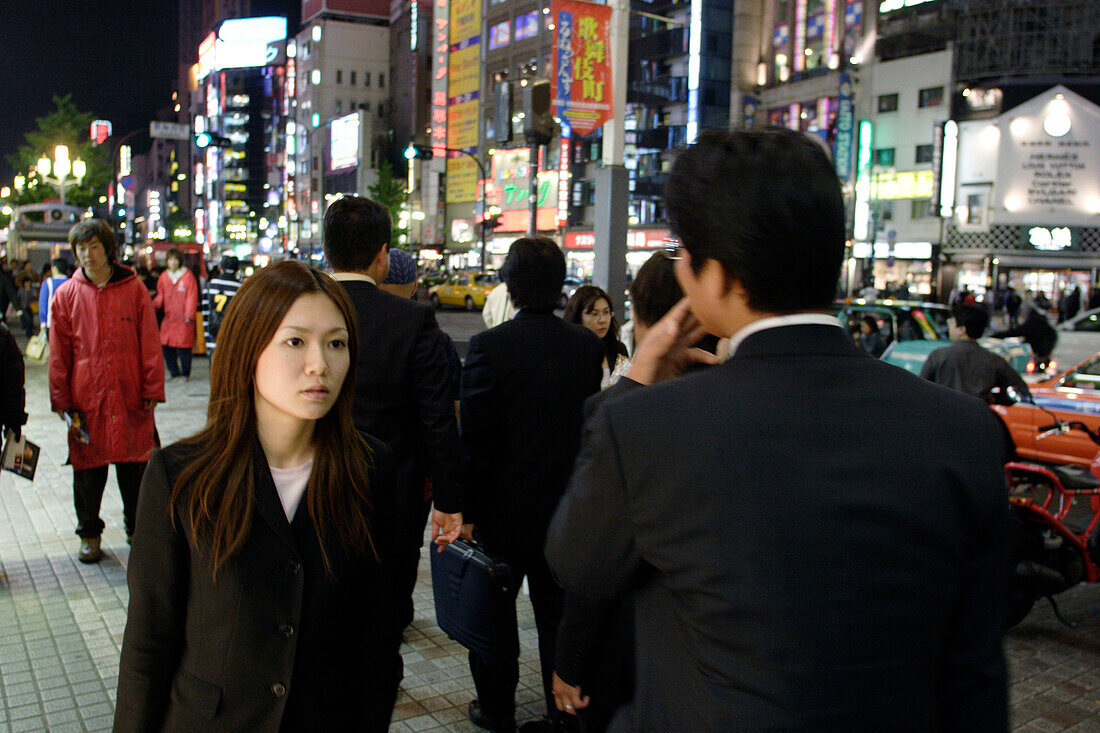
x,y
466,289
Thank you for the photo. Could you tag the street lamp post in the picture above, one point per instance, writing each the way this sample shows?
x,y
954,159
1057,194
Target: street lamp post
x,y
62,167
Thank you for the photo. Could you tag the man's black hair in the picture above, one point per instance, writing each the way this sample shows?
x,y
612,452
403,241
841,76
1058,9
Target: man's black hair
x,y
654,289
87,229
766,205
973,318
534,271
354,230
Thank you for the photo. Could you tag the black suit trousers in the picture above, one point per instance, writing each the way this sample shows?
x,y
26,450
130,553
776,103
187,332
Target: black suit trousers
x,y
496,683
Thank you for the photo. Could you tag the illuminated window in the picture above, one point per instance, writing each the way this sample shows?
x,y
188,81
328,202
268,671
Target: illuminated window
x,y
930,97
500,35
883,157
527,25
888,103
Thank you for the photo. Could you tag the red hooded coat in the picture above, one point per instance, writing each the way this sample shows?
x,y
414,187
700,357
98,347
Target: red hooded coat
x,y
104,361
179,300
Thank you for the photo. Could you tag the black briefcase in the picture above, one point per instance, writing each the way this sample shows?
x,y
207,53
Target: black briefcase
x,y
473,599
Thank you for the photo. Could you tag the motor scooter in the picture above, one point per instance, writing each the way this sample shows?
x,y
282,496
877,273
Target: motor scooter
x,y
1051,551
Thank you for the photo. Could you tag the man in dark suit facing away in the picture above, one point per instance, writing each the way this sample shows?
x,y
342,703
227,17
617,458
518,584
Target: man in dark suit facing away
x,y
401,386
798,561
522,400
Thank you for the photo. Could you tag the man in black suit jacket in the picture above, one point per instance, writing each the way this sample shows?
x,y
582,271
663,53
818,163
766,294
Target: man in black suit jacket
x,y
521,400
401,384
798,561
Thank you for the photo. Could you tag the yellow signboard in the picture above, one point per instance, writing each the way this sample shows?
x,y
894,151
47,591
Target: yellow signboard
x,y
465,70
465,19
904,185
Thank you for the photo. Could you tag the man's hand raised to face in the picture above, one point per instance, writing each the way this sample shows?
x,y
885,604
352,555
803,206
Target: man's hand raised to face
x,y
667,348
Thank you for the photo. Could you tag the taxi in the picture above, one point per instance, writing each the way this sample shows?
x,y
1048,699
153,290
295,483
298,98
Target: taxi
x,y
466,290
1072,395
912,330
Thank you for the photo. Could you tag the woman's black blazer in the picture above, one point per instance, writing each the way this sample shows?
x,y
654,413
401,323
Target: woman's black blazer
x,y
271,644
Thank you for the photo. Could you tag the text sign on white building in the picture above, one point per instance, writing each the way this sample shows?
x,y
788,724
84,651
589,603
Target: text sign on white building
x,y
1049,169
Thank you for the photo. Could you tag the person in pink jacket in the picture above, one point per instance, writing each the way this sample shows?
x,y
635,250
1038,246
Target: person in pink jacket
x,y
106,377
178,295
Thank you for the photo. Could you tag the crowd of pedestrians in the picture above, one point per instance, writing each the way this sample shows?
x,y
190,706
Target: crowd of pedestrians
x,y
709,543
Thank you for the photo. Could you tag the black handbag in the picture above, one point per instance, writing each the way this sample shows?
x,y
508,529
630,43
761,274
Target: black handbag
x,y
473,599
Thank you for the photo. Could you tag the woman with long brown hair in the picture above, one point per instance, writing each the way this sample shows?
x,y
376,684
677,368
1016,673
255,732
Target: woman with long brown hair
x,y
258,599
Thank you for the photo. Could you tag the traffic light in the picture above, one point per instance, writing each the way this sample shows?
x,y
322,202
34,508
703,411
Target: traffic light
x,y
206,139
423,152
539,127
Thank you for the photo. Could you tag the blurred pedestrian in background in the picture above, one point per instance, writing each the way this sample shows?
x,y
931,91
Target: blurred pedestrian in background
x,y
258,600
401,281
59,273
870,337
589,306
891,606
8,294
1038,333
967,367
106,376
219,291
178,296
498,307
523,390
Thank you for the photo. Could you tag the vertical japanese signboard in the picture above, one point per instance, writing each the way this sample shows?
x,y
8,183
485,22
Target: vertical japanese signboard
x,y
464,82
845,128
582,64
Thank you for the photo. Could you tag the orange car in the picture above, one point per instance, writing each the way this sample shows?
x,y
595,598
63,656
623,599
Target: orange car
x,y
1072,395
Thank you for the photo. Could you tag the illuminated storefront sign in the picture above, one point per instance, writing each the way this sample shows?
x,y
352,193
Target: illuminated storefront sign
x,y
509,185
582,64
904,185
862,209
463,91
888,6
344,142
240,43
635,239
441,50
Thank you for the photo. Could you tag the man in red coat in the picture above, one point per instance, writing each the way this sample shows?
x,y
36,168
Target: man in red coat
x,y
178,295
106,377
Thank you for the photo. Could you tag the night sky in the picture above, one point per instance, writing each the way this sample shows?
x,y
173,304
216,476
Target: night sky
x,y
118,59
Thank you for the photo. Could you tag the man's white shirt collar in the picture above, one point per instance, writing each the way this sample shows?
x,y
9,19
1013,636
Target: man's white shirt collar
x,y
345,276
795,319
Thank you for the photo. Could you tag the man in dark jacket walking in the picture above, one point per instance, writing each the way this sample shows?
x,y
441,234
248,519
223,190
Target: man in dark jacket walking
x,y
402,394
522,400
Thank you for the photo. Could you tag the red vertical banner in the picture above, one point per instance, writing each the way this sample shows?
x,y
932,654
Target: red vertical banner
x,y
582,63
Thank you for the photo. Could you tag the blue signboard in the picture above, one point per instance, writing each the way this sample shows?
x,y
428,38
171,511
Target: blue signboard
x,y
845,126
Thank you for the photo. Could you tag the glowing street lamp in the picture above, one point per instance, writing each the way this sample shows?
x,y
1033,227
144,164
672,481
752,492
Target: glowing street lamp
x,y
62,167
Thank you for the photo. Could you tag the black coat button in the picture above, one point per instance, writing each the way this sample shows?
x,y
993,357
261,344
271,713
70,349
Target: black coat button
x,y
278,689
287,630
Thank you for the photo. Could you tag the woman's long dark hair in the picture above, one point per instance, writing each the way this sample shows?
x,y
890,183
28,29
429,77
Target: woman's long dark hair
x,y
218,482
584,298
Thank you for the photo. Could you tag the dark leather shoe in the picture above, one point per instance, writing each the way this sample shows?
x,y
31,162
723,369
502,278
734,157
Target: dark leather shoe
x,y
481,720
89,550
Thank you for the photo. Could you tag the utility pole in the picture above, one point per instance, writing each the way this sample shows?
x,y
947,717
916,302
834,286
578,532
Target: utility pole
x,y
611,229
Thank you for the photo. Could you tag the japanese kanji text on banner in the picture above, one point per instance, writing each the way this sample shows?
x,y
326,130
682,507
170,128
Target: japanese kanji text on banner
x,y
582,64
